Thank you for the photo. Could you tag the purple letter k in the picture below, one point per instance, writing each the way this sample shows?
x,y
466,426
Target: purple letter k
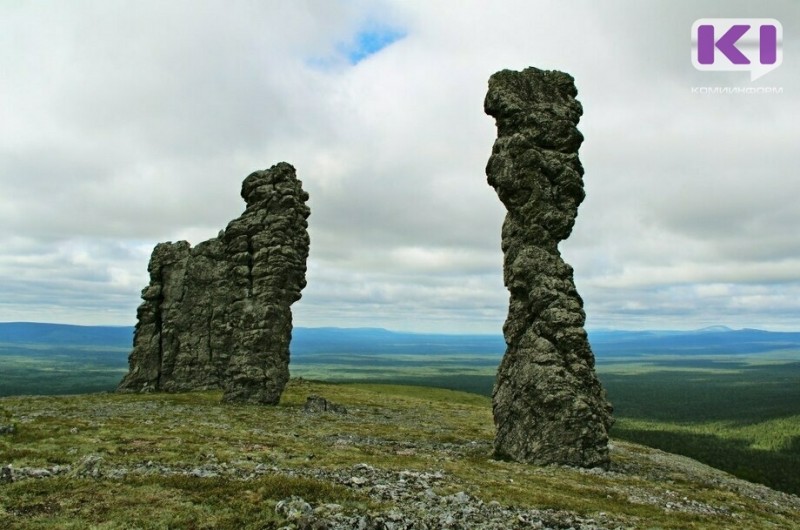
x,y
726,44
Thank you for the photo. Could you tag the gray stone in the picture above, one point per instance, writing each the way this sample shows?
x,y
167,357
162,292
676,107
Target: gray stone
x,y
6,474
293,508
218,315
317,404
8,429
549,407
89,466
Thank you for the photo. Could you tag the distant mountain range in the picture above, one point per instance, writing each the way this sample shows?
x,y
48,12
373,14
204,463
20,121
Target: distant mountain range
x,y
64,334
378,340
329,340
715,340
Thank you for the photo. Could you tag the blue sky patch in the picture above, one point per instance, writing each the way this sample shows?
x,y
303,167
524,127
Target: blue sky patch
x,y
369,42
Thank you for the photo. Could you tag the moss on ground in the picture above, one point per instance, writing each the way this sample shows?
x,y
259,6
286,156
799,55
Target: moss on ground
x,y
143,446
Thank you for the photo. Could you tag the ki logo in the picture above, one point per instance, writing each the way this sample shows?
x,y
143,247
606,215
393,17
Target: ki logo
x,y
737,44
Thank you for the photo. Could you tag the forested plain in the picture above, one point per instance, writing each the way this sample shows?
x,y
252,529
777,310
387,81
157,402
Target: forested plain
x,y
728,399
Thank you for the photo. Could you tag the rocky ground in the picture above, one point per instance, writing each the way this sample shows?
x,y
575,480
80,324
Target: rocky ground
x,y
413,502
394,459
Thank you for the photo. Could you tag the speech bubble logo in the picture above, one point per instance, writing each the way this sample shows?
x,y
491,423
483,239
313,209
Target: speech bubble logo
x,y
754,45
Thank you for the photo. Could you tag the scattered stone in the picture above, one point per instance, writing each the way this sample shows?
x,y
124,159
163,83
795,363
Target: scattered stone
x,y
203,473
328,509
89,466
549,406
459,498
8,429
39,473
6,474
456,512
218,315
293,508
317,404
408,499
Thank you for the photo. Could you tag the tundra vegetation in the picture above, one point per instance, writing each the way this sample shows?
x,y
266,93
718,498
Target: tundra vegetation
x,y
399,454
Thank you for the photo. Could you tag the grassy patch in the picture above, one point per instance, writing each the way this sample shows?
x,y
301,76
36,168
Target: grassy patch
x,y
161,502
158,440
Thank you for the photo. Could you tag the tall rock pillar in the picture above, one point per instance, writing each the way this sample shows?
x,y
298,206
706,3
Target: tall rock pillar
x,y
549,407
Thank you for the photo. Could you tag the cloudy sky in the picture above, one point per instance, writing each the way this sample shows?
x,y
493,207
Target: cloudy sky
x,y
126,123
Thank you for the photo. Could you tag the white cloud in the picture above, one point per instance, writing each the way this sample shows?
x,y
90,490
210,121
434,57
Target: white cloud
x,y
122,127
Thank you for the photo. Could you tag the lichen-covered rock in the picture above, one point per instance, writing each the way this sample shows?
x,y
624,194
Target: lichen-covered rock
x,y
549,407
218,315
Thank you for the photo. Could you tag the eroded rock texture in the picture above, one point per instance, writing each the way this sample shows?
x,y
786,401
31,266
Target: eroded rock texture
x,y
218,315
548,404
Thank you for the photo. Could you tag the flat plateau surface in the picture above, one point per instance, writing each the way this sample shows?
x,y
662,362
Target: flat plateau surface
x,y
402,457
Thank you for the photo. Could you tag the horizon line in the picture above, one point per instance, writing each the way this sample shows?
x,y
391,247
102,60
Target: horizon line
x,y
710,329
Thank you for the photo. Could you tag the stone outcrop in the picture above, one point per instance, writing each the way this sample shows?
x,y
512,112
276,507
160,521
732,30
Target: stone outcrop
x,y
218,315
549,407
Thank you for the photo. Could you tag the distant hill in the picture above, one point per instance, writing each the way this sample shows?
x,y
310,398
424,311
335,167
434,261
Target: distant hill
x,y
64,334
304,340
378,340
715,340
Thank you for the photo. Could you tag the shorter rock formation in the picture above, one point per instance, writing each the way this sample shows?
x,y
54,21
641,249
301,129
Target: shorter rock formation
x,y
218,315
549,407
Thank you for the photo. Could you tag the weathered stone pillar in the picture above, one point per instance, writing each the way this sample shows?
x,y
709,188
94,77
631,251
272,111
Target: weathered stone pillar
x,y
549,407
218,315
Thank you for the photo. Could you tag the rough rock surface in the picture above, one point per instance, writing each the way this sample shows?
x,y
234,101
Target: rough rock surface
x,y
218,315
549,406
